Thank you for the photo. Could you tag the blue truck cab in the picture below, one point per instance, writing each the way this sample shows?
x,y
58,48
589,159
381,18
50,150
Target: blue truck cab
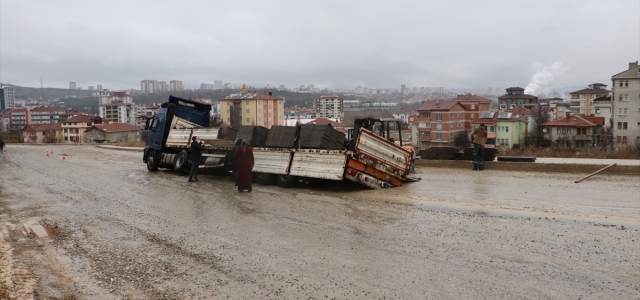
x,y
160,125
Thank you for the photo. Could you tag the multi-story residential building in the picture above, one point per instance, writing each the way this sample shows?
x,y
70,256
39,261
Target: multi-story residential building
x,y
252,108
74,129
515,96
5,122
330,107
145,112
175,85
7,97
583,101
474,106
626,105
72,85
217,85
20,117
104,97
162,87
579,131
604,108
439,122
119,112
45,115
67,114
555,107
149,86
99,87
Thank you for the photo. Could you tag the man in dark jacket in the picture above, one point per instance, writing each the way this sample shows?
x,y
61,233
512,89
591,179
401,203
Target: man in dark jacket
x,y
196,153
1,147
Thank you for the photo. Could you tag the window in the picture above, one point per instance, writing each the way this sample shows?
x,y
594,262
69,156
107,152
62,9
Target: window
x,y
564,131
626,97
247,102
424,125
626,83
438,136
228,103
622,125
438,126
568,130
427,115
246,111
248,120
506,129
491,128
624,139
558,130
473,106
450,116
227,111
581,103
620,97
473,115
438,117
621,82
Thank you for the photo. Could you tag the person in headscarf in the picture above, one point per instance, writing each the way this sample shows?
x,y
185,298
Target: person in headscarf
x,y
196,154
244,159
1,147
234,163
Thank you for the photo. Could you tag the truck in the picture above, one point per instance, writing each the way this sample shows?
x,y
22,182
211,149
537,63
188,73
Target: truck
x,y
368,159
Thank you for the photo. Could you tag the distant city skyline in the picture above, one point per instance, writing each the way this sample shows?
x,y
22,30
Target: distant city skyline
x,y
331,44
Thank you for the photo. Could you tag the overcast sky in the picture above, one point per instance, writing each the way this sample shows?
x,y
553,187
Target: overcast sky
x,y
345,43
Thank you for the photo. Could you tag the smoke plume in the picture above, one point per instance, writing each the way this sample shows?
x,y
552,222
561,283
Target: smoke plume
x,y
541,80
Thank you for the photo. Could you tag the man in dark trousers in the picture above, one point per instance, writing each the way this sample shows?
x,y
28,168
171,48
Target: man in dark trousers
x,y
1,147
196,153
479,138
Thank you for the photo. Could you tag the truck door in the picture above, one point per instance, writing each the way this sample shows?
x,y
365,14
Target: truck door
x,y
157,129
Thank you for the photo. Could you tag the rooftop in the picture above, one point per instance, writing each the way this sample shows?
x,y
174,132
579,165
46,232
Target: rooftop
x,y
572,121
438,105
82,118
119,127
252,96
472,98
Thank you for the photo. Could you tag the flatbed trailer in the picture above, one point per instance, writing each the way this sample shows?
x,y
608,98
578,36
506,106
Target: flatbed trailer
x,y
371,161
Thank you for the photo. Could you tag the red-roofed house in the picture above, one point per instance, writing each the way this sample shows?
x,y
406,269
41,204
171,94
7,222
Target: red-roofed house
x,y
42,133
575,130
439,122
111,133
73,129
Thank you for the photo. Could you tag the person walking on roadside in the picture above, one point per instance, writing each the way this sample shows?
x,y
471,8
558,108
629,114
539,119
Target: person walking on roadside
x,y
244,159
196,153
1,147
479,138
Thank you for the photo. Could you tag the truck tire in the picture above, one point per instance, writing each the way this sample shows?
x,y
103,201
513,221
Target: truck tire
x,y
180,162
152,161
265,178
286,181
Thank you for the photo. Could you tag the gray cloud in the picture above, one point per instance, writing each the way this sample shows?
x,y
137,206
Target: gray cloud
x,y
455,44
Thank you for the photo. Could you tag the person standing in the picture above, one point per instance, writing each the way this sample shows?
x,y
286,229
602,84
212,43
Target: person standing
x,y
1,147
244,159
196,153
479,138
234,162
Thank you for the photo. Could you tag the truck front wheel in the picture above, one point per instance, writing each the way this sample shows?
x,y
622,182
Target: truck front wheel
x,y
152,161
286,181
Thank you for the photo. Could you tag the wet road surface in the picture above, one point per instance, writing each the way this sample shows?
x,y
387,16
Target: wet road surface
x,y
120,232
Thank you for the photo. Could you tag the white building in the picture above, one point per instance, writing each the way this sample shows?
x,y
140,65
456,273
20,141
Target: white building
x,y
119,112
626,105
175,85
330,107
149,86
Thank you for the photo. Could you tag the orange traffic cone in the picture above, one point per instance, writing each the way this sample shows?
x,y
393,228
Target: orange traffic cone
x,y
47,154
5,149
51,151
64,157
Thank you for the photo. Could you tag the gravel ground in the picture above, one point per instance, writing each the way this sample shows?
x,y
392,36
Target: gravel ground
x,y
117,231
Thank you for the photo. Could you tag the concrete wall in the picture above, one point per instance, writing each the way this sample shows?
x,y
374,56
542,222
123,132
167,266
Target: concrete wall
x,y
94,135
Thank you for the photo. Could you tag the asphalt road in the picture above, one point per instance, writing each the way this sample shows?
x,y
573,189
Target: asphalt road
x,y
117,231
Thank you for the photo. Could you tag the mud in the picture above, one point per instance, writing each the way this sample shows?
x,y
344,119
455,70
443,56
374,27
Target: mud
x,y
116,231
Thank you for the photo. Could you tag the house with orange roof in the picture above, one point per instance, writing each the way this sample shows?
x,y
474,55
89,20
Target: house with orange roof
x,y
579,131
74,129
112,133
42,133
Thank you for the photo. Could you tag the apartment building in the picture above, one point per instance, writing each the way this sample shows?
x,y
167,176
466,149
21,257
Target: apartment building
x,y
515,96
20,117
252,108
149,86
583,101
119,112
439,122
556,109
7,97
330,107
175,85
626,105
45,115
474,106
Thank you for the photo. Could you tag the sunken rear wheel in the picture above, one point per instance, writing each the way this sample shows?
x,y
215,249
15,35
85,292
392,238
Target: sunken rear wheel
x,y
265,178
180,162
152,161
286,181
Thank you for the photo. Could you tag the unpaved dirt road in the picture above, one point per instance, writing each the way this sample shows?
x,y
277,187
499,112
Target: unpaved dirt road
x,y
117,231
